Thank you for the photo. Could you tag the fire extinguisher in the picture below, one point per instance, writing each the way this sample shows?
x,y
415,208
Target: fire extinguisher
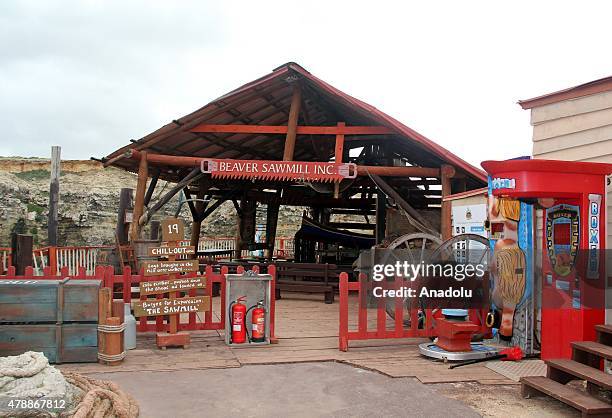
x,y
238,317
258,321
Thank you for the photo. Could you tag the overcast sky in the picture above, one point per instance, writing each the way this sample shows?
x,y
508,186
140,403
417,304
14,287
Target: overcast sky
x,y
91,75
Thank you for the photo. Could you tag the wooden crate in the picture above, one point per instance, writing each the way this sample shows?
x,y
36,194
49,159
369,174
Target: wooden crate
x,y
66,343
49,301
56,317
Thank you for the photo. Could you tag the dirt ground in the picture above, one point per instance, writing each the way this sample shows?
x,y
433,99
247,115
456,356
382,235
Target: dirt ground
x,y
503,401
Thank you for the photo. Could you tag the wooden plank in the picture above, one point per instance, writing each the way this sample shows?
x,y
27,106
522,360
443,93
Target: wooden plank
x,y
581,371
173,285
79,341
36,300
300,130
585,403
160,268
169,306
592,347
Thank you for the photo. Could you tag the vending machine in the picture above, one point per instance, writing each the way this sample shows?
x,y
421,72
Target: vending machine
x,y
571,196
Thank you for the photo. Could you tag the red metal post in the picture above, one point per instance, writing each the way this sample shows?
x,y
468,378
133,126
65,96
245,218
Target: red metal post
x,y
272,272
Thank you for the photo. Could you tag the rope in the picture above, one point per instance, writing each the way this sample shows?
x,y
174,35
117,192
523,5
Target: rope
x,y
111,329
102,399
111,357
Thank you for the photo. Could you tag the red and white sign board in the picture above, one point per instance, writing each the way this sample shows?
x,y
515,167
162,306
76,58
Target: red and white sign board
x,y
278,170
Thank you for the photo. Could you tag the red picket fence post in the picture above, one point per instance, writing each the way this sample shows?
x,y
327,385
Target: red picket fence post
x,y
272,272
400,330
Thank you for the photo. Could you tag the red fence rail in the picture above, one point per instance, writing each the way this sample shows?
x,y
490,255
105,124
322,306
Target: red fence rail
x,y
122,285
400,330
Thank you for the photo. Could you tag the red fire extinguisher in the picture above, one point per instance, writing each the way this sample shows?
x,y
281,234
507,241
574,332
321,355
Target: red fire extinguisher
x,y
258,321
238,316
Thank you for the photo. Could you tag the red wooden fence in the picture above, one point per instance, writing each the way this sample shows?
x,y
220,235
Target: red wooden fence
x,y
122,285
362,287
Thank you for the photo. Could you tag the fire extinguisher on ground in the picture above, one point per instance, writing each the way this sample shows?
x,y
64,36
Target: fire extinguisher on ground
x,y
238,321
240,330
258,321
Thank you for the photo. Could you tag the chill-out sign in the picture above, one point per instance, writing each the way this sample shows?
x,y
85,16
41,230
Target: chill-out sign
x,y
279,170
594,245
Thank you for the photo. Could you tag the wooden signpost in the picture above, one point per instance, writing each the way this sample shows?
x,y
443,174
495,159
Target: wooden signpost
x,y
173,231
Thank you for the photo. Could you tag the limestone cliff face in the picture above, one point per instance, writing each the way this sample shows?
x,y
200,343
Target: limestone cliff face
x,y
89,197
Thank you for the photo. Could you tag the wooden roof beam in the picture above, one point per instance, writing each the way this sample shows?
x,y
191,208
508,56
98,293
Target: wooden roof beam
x,y
300,130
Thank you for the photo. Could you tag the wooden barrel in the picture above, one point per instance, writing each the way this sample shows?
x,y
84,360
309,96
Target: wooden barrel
x,y
141,250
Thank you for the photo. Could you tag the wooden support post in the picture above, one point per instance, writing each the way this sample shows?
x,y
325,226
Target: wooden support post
x,y
53,196
141,185
381,216
154,234
21,252
196,226
271,224
125,204
447,172
294,115
246,225
339,144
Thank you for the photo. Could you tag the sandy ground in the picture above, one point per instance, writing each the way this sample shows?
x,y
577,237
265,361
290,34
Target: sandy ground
x,y
503,401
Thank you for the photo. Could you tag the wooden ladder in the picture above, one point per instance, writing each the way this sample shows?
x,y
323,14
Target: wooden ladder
x,y
585,364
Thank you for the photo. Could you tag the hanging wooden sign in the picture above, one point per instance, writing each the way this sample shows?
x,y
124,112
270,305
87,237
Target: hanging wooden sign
x,y
159,268
173,229
167,251
279,170
173,285
156,307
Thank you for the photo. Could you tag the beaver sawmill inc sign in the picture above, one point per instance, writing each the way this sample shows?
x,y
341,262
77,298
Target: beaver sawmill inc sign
x,y
278,170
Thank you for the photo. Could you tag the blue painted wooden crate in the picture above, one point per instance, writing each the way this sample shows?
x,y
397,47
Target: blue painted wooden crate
x,y
66,343
56,317
49,301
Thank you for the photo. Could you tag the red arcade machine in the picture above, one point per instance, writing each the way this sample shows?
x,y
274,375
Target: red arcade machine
x,y
571,196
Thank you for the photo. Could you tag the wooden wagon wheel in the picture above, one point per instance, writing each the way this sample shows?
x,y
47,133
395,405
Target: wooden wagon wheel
x,y
461,249
416,246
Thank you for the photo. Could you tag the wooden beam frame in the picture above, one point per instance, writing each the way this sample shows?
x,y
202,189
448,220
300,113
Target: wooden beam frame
x,y
291,129
300,130
141,185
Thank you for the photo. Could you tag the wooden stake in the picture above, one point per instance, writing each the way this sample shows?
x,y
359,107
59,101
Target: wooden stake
x,y
125,204
294,115
53,196
447,172
141,185
21,249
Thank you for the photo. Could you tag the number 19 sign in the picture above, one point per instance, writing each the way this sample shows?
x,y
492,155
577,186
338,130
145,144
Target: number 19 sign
x,y
173,229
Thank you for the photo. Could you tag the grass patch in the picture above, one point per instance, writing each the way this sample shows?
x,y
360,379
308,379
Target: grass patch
x,y
34,175
33,207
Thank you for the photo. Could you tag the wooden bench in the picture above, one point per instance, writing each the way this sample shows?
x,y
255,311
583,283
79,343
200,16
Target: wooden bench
x,y
307,278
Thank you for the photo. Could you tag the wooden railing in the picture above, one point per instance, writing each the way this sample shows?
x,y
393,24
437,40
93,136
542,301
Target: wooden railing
x,y
72,258
364,331
76,257
126,286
